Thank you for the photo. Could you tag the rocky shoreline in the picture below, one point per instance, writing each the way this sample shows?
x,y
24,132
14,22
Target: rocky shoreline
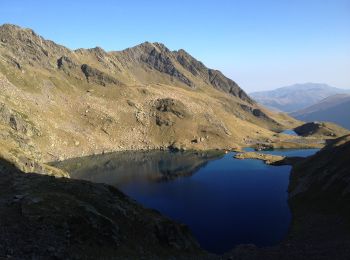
x,y
257,145
269,158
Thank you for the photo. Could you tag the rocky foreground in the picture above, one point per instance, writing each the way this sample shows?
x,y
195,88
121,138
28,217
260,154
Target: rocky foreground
x,y
43,217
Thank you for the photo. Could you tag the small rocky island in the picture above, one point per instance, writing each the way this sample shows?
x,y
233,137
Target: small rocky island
x,y
268,158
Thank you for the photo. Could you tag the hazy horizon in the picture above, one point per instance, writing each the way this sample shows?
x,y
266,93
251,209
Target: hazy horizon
x,y
262,46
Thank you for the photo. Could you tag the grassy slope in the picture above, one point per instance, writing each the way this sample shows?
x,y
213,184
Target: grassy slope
x,y
77,117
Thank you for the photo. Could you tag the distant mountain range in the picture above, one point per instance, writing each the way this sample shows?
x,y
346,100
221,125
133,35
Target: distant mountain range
x,y
333,109
296,97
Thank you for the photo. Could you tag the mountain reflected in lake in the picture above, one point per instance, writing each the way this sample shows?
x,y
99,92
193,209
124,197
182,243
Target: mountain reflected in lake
x,y
124,167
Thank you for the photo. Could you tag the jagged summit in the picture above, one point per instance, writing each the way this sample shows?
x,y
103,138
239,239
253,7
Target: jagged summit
x,y
26,47
183,66
147,44
13,27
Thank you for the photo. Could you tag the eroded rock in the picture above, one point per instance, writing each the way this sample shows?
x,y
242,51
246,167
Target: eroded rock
x,y
17,121
94,75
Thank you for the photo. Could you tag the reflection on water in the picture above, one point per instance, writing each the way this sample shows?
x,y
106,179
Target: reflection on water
x,y
292,152
286,152
123,167
289,132
224,201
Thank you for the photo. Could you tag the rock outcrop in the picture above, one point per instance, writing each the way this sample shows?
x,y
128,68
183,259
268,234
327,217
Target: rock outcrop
x,y
325,129
97,76
214,77
168,110
17,121
269,158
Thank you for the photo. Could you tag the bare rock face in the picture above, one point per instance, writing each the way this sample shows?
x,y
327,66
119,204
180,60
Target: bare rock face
x,y
17,121
168,109
213,77
29,48
66,64
257,113
175,107
158,57
97,76
219,81
196,67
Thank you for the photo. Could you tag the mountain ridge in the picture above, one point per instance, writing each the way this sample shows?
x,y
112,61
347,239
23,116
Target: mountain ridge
x,y
88,101
157,55
333,109
295,97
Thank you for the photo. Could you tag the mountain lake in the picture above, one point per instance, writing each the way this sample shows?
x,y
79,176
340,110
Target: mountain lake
x,y
224,201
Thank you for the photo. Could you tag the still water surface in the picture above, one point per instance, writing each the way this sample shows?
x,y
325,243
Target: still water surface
x,y
289,132
224,201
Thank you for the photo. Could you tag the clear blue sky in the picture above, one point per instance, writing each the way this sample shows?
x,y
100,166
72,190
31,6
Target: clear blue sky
x,y
259,44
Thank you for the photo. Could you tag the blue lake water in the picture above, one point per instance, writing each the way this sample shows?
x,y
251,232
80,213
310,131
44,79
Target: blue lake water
x,y
289,132
287,152
224,201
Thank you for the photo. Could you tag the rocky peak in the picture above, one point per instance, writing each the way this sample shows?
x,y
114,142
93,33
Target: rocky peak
x,y
25,47
12,29
146,49
210,76
194,66
221,82
65,61
149,46
97,51
15,36
156,56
